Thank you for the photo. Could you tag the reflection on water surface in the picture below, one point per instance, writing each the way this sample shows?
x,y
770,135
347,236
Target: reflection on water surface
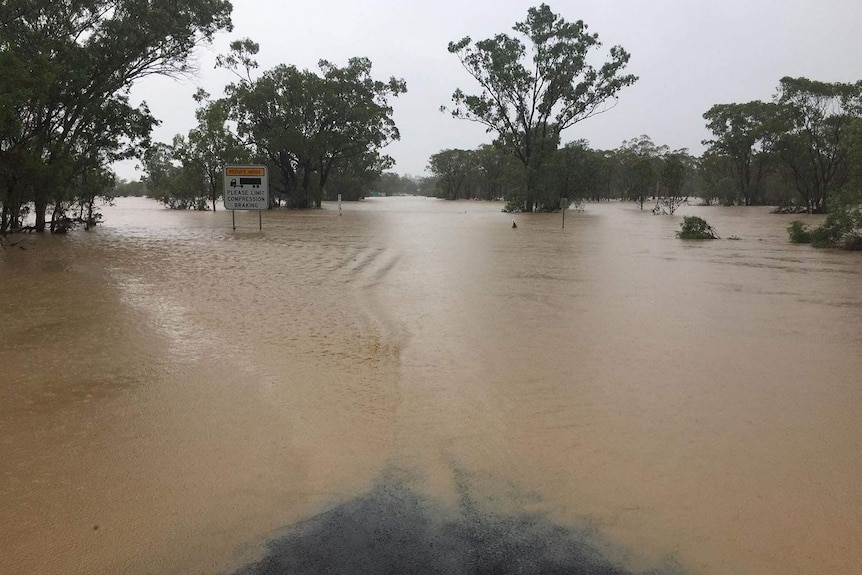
x,y
181,398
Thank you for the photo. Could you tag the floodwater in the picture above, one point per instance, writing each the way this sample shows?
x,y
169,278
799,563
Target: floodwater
x,y
417,387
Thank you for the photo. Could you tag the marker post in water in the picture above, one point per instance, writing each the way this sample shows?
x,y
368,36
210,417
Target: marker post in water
x,y
246,188
564,205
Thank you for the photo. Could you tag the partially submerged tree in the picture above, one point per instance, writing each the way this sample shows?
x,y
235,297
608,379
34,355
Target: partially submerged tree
x,y
746,134
210,146
534,88
68,68
673,176
695,228
640,167
307,124
574,172
824,120
453,170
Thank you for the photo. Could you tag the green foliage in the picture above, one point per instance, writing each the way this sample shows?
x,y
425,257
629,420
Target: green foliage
x,y
453,169
497,173
123,188
392,184
487,172
177,187
68,68
823,131
746,135
841,229
355,176
528,97
639,164
309,125
694,228
833,231
209,147
673,176
799,233
574,171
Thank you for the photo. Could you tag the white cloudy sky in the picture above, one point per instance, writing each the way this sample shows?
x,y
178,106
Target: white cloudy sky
x,y
689,54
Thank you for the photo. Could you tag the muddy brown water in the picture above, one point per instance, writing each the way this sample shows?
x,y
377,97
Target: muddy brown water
x,y
176,396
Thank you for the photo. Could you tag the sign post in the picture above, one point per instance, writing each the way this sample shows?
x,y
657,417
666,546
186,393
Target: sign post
x,y
246,188
564,205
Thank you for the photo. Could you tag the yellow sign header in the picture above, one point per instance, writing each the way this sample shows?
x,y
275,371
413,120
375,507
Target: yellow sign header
x,y
245,171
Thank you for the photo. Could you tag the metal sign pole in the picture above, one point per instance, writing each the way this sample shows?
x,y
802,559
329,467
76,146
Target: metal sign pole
x,y
259,220
564,204
233,218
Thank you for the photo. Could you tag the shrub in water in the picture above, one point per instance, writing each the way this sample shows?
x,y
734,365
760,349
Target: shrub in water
x,y
853,242
695,228
799,233
831,234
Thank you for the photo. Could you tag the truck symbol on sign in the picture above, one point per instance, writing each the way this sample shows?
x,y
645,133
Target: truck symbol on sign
x,y
253,182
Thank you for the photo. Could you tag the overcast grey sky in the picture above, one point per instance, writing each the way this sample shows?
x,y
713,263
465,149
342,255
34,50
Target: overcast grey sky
x,y
689,55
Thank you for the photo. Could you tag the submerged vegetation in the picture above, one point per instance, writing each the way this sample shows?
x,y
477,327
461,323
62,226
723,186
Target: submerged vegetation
x,y
66,118
841,229
65,109
694,228
799,233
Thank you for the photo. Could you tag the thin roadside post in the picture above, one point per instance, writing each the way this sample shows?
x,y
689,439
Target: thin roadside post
x,y
564,205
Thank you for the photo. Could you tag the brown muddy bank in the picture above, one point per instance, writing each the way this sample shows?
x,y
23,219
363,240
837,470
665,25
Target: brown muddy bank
x,y
176,396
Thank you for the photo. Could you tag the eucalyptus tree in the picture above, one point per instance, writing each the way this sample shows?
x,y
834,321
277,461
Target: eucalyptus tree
x,y
674,172
355,176
392,184
535,85
824,122
640,165
68,69
210,145
719,185
746,134
575,171
453,170
493,172
177,181
308,123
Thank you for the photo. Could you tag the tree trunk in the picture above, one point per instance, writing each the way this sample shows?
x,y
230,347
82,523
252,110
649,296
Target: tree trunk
x,y
40,207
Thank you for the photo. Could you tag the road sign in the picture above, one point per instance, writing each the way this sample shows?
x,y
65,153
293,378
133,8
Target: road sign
x,y
246,188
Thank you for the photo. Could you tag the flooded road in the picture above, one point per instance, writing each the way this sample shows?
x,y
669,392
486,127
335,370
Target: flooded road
x,y
415,386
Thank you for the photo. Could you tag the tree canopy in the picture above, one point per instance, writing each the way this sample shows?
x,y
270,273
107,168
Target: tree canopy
x,y
534,86
68,68
746,134
825,125
807,137
308,124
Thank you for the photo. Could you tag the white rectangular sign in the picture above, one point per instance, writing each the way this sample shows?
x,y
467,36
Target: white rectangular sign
x,y
246,188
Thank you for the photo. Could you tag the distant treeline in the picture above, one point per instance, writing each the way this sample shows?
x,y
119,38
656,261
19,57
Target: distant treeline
x,y
802,151
66,118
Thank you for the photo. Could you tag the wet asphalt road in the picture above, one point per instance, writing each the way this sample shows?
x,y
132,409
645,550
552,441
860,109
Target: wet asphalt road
x,y
393,529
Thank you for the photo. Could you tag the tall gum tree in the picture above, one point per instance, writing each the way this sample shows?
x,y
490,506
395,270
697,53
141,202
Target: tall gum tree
x,y
824,122
87,54
536,85
307,124
746,134
640,162
210,145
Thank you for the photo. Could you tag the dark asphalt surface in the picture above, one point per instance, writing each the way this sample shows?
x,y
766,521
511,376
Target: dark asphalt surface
x,y
394,530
